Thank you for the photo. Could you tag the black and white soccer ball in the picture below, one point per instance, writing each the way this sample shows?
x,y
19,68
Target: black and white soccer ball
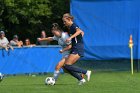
x,y
50,81
1,77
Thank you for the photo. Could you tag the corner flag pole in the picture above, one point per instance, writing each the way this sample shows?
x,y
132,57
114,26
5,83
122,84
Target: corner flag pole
x,y
131,50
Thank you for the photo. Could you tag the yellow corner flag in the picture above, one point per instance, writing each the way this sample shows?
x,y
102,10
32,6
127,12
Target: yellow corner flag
x,y
131,50
130,42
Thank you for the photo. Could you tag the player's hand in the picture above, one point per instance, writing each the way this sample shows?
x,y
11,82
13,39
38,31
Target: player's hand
x,y
39,39
61,51
68,39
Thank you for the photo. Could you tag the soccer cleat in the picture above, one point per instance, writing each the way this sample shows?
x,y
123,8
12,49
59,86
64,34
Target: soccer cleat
x,y
81,82
88,74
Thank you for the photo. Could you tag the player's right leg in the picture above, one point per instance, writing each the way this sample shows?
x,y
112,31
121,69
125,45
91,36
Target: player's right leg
x,y
57,68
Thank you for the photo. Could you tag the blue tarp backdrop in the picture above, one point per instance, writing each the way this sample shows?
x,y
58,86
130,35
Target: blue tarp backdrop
x,y
29,60
107,25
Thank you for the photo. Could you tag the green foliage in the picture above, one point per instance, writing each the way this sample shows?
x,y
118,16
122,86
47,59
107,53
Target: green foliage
x,y
29,10
30,16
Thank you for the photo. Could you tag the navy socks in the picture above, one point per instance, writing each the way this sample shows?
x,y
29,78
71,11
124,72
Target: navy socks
x,y
75,69
76,75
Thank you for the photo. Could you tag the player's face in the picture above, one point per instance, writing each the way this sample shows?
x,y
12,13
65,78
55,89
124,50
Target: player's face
x,y
56,33
66,21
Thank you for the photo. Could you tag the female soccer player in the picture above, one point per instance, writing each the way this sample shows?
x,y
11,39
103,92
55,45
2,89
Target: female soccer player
x,y
61,37
77,49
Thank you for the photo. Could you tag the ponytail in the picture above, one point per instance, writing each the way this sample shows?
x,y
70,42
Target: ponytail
x,y
55,26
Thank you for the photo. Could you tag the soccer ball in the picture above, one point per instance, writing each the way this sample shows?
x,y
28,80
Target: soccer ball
x,y
1,76
50,81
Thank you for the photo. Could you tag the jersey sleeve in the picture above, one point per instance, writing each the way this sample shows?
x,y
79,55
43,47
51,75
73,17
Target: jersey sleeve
x,y
74,27
55,38
65,37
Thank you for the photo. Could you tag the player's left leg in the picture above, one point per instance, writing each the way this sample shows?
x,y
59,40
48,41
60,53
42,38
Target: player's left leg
x,y
69,65
72,59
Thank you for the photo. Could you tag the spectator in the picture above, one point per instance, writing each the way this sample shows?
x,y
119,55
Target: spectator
x,y
16,42
43,35
28,43
4,43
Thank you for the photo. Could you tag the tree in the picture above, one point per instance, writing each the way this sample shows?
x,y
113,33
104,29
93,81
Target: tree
x,y
28,17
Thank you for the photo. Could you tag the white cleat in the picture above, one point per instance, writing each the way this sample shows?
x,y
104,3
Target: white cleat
x,y
88,74
81,82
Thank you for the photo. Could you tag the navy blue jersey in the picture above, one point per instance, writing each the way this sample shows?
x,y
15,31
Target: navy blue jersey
x,y
77,42
78,39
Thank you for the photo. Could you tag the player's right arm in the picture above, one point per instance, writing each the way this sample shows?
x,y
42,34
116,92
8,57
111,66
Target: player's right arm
x,y
45,39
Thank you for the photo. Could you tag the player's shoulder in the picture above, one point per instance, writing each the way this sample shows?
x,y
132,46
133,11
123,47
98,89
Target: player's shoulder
x,y
74,25
64,34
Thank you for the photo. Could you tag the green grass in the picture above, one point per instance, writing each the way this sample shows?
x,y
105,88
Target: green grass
x,y
101,82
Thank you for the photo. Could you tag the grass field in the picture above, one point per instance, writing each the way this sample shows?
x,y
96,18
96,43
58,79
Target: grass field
x,y
101,82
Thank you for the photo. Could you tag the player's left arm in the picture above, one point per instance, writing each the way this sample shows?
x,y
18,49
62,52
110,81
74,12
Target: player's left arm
x,y
66,48
78,32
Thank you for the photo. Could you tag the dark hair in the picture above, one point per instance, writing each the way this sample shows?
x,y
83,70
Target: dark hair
x,y
55,26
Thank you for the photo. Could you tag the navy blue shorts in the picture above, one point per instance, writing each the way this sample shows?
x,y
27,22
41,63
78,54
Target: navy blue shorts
x,y
78,49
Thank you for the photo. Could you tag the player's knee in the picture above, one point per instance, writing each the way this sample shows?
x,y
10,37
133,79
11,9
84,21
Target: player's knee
x,y
58,67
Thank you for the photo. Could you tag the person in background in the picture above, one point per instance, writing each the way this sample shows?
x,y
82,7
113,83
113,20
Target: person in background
x,y
43,35
4,43
28,43
16,42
